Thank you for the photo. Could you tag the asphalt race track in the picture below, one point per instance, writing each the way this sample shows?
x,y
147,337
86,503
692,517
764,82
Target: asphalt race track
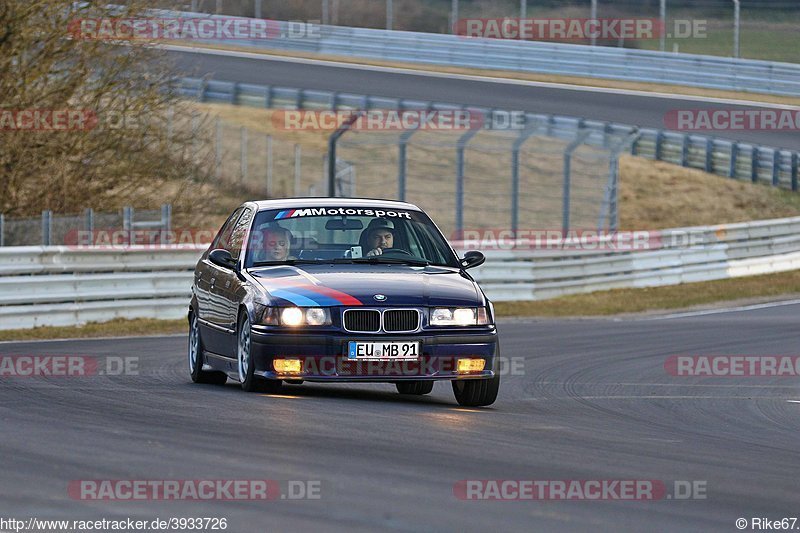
x,y
646,111
589,400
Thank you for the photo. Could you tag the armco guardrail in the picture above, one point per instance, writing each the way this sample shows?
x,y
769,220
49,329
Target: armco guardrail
x,y
51,286
743,161
531,56
62,286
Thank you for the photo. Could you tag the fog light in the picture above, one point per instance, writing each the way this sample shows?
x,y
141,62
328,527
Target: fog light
x,y
287,366
471,365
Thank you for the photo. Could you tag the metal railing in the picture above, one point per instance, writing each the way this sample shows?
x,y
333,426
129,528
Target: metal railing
x,y
56,286
627,64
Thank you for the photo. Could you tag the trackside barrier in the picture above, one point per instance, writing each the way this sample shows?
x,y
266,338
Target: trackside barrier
x,y
59,286
712,72
738,160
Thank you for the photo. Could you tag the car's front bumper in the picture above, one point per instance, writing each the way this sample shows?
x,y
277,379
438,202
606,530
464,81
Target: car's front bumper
x,y
324,355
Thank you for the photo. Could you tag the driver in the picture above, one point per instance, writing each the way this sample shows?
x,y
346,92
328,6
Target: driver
x,y
380,236
276,244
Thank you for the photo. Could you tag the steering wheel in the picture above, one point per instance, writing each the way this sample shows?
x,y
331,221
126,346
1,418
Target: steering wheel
x,y
398,251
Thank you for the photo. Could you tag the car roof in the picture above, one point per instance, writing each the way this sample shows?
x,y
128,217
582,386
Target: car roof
x,y
284,203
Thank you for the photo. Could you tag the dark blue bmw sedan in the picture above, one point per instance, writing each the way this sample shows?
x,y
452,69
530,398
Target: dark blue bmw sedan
x,y
335,289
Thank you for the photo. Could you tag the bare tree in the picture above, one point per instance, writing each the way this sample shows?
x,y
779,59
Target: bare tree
x,y
116,97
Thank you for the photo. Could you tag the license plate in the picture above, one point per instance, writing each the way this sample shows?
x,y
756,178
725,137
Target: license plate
x,y
383,351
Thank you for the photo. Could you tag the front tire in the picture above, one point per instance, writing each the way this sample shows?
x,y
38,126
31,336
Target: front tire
x,y
417,388
244,355
476,392
196,358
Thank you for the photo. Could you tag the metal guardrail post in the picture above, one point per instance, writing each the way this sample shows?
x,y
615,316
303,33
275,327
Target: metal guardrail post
x,y
166,217
2,229
776,167
88,219
685,150
127,218
794,171
524,135
234,93
453,16
662,15
754,164
332,151
577,141
389,15
733,159
268,96
461,144
736,20
257,9
658,151
47,227
593,16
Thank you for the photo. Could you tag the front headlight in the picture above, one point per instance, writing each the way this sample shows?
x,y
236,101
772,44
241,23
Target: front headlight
x,y
296,316
458,316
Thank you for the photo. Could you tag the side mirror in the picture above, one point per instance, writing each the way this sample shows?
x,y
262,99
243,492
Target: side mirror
x,y
222,258
472,259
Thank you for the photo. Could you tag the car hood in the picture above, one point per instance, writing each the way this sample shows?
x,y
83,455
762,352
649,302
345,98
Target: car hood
x,y
359,284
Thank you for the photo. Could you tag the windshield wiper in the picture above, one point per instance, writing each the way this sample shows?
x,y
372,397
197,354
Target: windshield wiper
x,y
288,262
390,260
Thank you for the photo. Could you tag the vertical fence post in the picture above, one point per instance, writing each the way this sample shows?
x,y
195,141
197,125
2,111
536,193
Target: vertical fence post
x,y
733,160
523,9
218,148
453,15
194,6
565,200
754,164
47,227
593,16
794,171
2,229
326,17
460,166
662,15
257,9
402,162
389,15
269,166
332,150
515,149
297,169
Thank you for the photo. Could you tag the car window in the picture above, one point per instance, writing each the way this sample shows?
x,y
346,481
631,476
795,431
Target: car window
x,y
222,239
239,232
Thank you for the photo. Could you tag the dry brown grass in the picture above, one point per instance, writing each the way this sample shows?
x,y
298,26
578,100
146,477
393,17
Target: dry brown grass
x,y
114,328
658,195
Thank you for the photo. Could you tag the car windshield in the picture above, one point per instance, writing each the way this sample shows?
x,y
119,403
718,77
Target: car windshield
x,y
346,235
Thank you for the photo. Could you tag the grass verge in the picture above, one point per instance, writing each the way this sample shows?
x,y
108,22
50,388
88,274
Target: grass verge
x,y
674,297
113,328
